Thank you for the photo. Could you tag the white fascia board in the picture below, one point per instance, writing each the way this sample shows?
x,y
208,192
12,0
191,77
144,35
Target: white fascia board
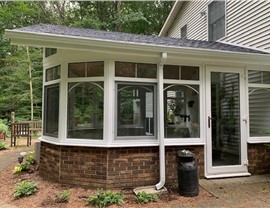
x,y
171,17
139,49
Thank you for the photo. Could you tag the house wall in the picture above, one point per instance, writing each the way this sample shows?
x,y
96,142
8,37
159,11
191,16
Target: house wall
x,y
247,22
190,14
111,167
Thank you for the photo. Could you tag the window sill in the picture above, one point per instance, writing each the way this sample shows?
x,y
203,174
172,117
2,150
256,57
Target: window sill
x,y
122,143
258,140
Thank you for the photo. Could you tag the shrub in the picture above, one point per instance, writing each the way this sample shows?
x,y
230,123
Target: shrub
x,y
4,127
105,198
144,198
2,146
21,167
25,188
62,197
30,158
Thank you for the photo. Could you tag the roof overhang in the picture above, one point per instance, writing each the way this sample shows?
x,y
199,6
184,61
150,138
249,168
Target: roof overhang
x,y
120,47
170,19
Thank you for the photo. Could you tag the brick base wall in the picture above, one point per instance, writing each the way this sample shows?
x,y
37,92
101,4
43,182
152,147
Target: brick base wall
x,y
259,159
111,167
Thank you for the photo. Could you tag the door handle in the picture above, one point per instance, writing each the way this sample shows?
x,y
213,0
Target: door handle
x,y
209,121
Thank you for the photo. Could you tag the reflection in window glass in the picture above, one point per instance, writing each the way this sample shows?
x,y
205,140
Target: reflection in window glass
x,y
181,113
135,110
127,69
53,73
171,72
181,72
184,32
86,69
50,51
189,73
147,70
85,110
216,20
259,112
124,69
259,77
51,110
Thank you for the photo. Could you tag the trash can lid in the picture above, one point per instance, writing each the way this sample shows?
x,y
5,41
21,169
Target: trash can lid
x,y
185,153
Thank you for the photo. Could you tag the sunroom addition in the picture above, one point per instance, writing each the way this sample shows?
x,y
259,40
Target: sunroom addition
x,y
117,107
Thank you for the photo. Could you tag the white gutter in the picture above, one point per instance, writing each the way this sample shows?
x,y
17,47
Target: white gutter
x,y
74,42
162,174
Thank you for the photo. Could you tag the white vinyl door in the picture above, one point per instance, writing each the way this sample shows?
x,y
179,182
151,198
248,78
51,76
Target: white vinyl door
x,y
226,146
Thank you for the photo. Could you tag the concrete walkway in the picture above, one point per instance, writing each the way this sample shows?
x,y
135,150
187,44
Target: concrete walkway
x,y
243,192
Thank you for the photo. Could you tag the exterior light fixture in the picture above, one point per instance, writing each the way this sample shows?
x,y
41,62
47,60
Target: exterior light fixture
x,y
203,13
20,158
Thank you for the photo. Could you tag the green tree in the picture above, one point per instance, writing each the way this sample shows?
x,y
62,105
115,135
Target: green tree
x,y
21,67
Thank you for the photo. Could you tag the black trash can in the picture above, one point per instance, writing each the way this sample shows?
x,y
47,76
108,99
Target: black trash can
x,y
188,179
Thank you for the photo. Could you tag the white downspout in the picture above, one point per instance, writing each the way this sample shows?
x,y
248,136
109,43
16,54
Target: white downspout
x,y
160,109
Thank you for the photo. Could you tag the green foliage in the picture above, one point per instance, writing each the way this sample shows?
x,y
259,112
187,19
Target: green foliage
x,y
63,196
144,198
30,158
4,126
25,188
105,198
139,17
21,167
2,145
267,146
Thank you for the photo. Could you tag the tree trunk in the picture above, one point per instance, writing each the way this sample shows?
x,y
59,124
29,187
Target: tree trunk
x,y
30,83
118,10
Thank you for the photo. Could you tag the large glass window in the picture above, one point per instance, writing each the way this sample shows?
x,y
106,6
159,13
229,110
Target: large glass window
x,y
135,110
216,20
51,110
259,99
181,103
85,110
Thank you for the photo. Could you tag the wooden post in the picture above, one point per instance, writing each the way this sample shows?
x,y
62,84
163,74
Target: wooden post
x,y
12,129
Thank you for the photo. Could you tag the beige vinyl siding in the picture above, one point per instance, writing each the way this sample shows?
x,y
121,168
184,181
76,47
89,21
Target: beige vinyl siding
x,y
190,14
248,23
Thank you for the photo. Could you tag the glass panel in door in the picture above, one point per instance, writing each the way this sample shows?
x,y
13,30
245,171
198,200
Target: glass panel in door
x,y
225,119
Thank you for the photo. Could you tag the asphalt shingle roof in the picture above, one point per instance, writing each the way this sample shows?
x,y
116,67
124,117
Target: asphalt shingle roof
x,y
134,38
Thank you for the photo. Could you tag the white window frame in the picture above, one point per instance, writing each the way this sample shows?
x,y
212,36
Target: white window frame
x,y
190,141
262,139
